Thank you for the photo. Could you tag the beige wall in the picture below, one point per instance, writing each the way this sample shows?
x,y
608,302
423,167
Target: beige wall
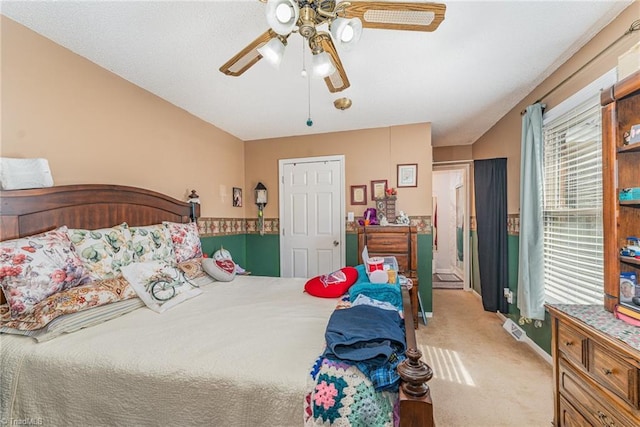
x,y
95,127
452,153
503,139
370,154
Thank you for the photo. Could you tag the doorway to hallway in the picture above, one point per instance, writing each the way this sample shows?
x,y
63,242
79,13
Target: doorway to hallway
x,y
451,225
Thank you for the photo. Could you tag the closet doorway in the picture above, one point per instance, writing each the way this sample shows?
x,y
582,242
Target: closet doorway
x,y
451,225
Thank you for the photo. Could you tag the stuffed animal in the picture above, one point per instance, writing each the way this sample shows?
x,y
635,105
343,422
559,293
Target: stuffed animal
x,y
371,215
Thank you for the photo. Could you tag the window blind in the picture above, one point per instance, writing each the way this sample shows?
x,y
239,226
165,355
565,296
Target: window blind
x,y
572,206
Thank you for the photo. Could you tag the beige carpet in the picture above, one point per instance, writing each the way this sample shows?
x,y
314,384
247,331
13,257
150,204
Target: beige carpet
x,y
482,376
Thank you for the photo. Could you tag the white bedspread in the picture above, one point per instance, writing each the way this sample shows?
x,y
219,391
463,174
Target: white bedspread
x,y
237,355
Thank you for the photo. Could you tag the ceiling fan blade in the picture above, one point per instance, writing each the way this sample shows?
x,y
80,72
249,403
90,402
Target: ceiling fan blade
x,y
406,16
337,81
248,56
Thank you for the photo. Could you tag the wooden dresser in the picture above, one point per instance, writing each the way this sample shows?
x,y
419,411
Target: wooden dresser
x,y
400,242
596,375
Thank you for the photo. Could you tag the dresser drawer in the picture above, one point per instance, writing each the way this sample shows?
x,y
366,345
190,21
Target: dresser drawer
x,y
570,416
387,243
590,401
614,373
572,343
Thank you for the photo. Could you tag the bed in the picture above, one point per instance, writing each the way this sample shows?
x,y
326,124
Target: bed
x,y
213,360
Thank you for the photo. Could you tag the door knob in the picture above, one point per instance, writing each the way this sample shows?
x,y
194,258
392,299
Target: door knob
x,y
336,243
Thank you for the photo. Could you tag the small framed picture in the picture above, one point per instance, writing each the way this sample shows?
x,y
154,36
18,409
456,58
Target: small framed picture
x,y
358,194
408,175
378,189
237,197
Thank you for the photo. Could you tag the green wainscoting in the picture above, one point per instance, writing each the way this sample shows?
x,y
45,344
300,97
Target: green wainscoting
x,y
235,244
425,273
541,336
352,249
263,254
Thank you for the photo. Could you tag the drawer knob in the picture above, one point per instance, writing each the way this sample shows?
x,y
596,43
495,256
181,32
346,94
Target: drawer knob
x,y
568,343
607,371
604,419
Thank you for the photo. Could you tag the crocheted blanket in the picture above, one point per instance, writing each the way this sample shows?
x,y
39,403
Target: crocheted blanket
x,y
339,394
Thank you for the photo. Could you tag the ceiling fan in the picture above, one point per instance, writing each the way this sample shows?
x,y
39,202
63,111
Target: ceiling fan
x,y
344,20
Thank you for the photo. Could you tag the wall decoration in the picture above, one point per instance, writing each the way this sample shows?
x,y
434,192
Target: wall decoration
x,y
237,197
408,175
378,189
358,194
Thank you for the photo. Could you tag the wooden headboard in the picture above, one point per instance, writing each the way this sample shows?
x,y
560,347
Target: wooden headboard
x,y
27,212
90,206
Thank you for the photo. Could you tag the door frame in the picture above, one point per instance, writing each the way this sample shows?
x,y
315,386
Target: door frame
x,y
465,168
281,164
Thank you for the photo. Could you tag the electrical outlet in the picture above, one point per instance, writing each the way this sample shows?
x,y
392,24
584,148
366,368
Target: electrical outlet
x,y
505,292
350,216
510,297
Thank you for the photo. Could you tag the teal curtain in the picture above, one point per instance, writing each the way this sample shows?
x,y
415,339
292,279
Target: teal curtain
x,y
531,256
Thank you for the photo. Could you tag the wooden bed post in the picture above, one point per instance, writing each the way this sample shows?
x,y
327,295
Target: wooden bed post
x,y
416,407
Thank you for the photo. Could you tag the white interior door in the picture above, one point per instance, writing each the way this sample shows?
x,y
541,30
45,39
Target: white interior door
x,y
312,224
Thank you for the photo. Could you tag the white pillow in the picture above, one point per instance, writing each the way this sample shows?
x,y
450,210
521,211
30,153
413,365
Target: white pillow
x,y
160,285
223,270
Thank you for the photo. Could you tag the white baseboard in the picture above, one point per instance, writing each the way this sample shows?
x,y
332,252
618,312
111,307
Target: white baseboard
x,y
531,343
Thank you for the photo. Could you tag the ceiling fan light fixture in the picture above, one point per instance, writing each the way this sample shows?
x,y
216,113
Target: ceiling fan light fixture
x,y
342,103
272,51
282,15
321,65
346,32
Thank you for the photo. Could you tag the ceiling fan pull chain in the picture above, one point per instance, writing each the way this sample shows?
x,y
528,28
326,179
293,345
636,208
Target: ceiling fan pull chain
x,y
304,64
309,121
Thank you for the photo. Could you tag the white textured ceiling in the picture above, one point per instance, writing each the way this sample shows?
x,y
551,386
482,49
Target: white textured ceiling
x,y
485,57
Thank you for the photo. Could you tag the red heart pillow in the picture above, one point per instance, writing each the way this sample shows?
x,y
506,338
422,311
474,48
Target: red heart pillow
x,y
332,285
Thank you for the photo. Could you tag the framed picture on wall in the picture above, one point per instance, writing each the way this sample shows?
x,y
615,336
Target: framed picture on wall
x,y
358,194
378,189
408,175
237,197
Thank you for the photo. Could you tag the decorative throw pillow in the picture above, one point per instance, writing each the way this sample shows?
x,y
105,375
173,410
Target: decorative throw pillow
x,y
186,240
160,285
223,270
151,242
103,251
194,273
32,268
332,285
69,301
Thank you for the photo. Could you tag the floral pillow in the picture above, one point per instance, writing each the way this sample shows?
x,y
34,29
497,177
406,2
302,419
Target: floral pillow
x,y
35,267
152,242
73,300
158,284
103,251
186,240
